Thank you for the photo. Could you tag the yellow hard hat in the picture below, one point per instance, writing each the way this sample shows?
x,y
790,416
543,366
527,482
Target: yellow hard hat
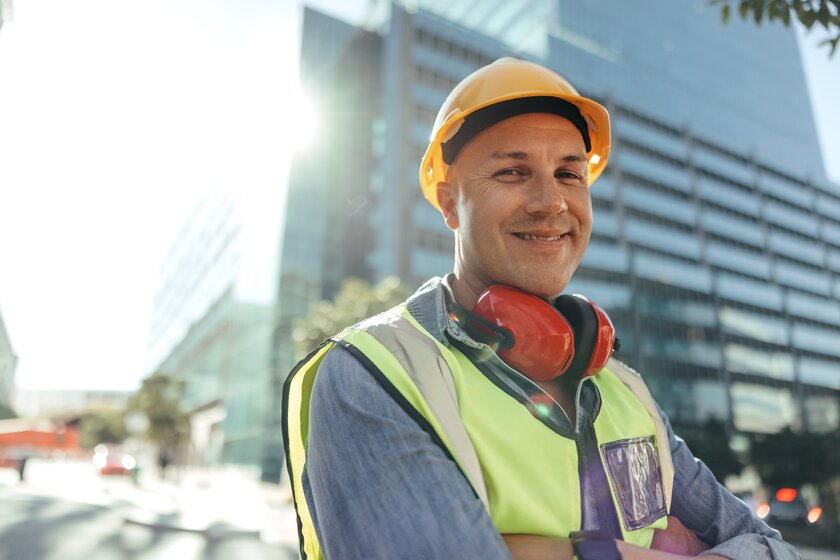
x,y
503,89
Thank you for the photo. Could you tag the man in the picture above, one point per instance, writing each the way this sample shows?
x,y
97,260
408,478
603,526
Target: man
x,y
442,428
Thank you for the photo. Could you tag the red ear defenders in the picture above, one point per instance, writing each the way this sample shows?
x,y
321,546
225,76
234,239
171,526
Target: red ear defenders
x,y
540,340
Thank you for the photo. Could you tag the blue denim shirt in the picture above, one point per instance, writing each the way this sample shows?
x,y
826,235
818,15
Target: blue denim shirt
x,y
379,487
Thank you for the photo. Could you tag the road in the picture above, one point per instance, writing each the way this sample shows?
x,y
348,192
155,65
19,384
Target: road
x,y
35,527
64,511
84,518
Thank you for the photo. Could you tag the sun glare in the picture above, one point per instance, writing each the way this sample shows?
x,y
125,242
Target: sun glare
x,y
300,118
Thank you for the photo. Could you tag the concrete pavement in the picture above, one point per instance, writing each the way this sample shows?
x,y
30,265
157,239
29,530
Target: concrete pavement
x,y
218,502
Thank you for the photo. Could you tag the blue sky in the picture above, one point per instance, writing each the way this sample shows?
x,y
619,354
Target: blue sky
x,y
116,116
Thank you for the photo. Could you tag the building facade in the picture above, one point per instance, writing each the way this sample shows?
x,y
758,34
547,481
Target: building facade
x,y
213,321
8,364
34,403
716,247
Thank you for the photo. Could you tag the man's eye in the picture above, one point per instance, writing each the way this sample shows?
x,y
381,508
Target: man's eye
x,y
566,175
508,173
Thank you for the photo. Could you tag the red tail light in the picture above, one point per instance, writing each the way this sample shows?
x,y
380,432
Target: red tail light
x,y
786,494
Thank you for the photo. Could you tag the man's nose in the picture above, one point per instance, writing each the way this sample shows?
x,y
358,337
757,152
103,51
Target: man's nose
x,y
546,197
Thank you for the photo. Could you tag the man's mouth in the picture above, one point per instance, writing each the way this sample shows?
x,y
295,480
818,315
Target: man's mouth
x,y
536,237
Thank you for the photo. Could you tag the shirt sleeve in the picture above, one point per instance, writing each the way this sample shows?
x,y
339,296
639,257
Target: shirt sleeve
x,y
703,505
378,486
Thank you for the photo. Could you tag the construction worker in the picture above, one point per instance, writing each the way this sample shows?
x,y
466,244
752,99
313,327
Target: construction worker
x,y
484,417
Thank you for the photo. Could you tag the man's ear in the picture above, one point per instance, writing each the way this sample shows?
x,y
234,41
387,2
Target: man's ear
x,y
446,200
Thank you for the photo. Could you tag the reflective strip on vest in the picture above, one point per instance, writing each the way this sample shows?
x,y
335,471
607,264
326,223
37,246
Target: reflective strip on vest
x,y
422,359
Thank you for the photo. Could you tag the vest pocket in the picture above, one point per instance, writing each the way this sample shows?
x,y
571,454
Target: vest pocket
x,y
633,467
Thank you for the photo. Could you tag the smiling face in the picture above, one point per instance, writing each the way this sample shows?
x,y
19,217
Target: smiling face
x,y
517,198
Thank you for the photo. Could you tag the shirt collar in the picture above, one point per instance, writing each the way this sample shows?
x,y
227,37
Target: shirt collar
x,y
429,306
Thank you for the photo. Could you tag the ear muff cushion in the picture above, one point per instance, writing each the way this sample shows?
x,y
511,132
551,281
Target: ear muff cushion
x,y
581,317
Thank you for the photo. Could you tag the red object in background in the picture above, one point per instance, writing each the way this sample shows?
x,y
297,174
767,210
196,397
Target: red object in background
x,y
61,438
113,461
786,494
22,438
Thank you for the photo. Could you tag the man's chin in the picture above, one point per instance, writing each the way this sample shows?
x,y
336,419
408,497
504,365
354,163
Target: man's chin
x,y
548,291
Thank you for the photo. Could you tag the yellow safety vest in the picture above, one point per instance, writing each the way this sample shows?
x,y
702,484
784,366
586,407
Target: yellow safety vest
x,y
474,421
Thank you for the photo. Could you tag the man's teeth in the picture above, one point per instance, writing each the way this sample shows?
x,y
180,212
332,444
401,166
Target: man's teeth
x,y
529,237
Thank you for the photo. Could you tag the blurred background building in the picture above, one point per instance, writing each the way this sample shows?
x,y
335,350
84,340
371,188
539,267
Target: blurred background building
x,y
5,11
8,363
716,247
213,320
34,403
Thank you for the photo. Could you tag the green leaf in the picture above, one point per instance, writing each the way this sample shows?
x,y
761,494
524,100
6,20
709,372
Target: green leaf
x,y
744,9
832,44
808,18
758,10
785,13
725,12
824,15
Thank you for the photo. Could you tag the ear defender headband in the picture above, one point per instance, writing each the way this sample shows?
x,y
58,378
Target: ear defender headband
x,y
537,339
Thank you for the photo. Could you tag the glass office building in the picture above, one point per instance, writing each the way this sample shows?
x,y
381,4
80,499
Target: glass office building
x,y
716,244
213,320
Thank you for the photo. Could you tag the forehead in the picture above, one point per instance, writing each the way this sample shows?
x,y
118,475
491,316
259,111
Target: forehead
x,y
536,130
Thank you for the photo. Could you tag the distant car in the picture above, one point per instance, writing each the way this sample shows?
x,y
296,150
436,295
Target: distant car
x,y
787,508
113,461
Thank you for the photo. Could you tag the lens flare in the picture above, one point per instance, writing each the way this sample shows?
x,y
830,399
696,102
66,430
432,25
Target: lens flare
x,y
762,510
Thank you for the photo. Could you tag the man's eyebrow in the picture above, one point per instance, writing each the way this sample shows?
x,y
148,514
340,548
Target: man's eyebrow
x,y
509,155
524,156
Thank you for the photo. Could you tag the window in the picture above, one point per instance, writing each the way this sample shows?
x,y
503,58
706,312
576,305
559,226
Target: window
x,y
758,361
606,256
796,247
723,164
633,132
612,296
678,310
786,191
736,259
753,292
604,189
828,206
834,260
728,196
752,324
666,270
819,371
823,413
699,352
657,170
831,232
802,277
813,307
790,217
817,339
662,204
663,238
760,409
605,223
732,226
